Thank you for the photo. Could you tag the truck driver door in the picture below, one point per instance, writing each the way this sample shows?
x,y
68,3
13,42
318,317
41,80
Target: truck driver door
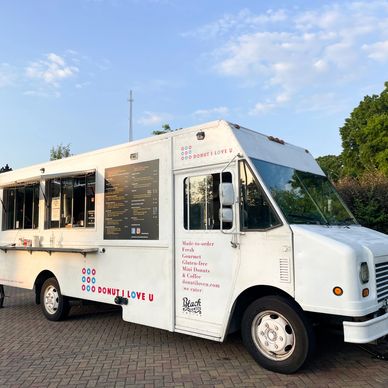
x,y
205,261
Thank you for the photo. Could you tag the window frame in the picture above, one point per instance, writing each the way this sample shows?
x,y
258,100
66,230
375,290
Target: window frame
x,y
48,198
35,186
186,203
265,195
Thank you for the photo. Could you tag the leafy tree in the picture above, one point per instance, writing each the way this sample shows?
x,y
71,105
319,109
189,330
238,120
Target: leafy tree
x,y
165,129
365,136
332,166
60,152
367,198
5,168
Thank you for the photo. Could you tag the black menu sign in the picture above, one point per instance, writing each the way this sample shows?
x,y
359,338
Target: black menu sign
x,y
132,202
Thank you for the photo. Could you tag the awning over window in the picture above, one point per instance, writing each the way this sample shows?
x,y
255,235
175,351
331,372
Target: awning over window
x,y
66,174
37,178
20,182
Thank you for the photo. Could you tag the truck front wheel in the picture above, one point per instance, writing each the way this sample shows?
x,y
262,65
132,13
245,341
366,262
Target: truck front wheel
x,y
55,306
277,334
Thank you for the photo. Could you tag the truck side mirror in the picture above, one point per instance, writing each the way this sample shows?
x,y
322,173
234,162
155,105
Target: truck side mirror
x,y
226,214
226,194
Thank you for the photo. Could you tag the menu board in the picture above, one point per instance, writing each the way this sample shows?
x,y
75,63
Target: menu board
x,y
132,202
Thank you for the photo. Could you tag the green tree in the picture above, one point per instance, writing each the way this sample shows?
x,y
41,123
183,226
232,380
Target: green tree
x,y
367,198
165,129
332,166
365,136
5,168
60,152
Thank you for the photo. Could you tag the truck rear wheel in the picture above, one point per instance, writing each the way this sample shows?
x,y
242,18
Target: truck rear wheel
x,y
55,306
277,334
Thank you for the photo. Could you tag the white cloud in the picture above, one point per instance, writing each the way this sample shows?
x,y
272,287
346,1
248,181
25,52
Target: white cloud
x,y
82,85
54,58
42,93
282,98
52,70
261,108
321,65
377,51
243,20
44,77
220,111
326,19
291,54
152,118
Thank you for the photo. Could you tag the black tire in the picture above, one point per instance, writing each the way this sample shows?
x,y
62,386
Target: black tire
x,y
277,334
55,306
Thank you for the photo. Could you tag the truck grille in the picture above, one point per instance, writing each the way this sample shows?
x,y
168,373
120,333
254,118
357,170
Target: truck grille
x,y
382,281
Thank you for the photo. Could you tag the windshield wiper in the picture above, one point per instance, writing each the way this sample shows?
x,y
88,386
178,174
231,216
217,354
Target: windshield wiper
x,y
346,221
306,219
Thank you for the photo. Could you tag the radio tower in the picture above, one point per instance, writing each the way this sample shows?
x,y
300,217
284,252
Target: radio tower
x,y
130,100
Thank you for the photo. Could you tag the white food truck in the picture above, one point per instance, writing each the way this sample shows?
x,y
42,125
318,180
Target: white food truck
x,y
202,231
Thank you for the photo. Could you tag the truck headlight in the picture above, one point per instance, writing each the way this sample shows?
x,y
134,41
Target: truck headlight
x,y
364,272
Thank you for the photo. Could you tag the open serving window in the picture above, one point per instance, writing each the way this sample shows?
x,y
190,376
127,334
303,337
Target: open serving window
x,y
70,200
20,206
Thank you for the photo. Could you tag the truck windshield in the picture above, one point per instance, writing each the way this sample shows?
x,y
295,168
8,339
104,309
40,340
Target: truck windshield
x,y
303,197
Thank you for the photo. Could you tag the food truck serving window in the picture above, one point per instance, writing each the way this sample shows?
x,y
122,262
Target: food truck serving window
x,y
202,202
21,207
71,201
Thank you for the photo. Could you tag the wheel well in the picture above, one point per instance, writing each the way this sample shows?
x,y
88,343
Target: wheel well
x,y
246,298
42,277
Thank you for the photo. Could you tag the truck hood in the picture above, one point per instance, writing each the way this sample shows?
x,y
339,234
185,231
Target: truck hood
x,y
355,237
330,256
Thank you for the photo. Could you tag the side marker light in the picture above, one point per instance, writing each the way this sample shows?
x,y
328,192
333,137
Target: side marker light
x,y
338,291
365,292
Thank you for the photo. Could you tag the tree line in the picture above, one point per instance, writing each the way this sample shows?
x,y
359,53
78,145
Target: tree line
x,y
360,172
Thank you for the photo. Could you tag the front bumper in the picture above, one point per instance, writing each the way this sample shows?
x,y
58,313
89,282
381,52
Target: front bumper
x,y
366,331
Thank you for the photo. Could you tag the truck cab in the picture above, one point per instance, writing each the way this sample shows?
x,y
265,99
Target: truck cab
x,y
286,254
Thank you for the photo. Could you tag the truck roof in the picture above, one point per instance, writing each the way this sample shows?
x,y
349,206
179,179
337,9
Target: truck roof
x,y
251,143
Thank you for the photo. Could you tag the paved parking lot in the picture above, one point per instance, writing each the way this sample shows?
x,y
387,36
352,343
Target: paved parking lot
x,y
94,347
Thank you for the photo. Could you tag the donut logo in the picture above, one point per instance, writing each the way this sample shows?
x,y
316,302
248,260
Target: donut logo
x,y
88,279
186,152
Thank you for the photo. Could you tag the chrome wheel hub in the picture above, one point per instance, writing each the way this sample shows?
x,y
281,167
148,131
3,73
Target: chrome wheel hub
x,y
273,335
51,299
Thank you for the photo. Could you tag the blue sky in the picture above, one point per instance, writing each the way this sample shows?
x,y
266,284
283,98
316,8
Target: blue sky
x,y
292,69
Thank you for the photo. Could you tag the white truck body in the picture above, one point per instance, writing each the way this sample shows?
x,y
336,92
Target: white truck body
x,y
192,279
